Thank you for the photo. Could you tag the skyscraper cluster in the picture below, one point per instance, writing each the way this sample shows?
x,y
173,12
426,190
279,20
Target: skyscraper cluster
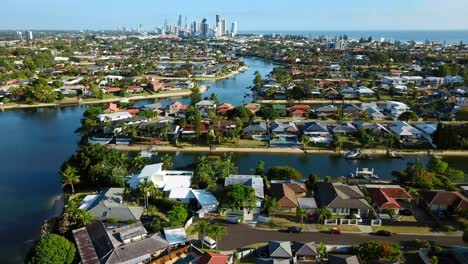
x,y
199,28
28,35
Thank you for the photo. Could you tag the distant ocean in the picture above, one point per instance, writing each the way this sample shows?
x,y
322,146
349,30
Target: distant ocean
x,y
448,36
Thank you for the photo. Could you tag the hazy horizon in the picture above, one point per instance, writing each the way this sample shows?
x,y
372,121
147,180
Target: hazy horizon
x,y
302,15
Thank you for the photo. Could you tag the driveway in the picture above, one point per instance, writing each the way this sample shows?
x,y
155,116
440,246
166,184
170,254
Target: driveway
x,y
241,235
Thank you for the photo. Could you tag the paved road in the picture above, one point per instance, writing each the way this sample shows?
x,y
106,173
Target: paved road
x,y
242,235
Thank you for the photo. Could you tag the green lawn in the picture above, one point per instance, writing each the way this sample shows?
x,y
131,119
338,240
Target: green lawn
x,y
403,229
345,228
245,143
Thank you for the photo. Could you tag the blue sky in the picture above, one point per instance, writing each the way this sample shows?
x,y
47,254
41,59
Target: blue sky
x,y
250,14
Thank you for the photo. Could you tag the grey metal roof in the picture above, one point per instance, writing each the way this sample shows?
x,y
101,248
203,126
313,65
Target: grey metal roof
x,y
343,259
304,249
307,203
315,127
280,249
339,196
254,181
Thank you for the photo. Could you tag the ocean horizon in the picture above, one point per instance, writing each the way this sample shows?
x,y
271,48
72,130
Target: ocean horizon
x,y
448,36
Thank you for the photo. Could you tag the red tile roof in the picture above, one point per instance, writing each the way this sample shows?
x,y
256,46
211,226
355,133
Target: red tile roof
x,y
113,89
299,107
213,258
111,107
386,198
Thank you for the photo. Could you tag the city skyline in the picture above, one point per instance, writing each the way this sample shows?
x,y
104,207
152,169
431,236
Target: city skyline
x,y
258,15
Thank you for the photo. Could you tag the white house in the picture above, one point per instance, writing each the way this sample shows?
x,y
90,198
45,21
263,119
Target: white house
x,y
163,179
404,130
417,80
396,108
114,116
206,104
206,201
364,91
401,89
390,80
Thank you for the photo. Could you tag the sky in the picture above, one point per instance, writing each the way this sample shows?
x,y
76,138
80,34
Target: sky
x,y
250,14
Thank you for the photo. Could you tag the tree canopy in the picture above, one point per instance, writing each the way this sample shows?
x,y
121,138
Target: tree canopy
x,y
283,173
379,251
52,249
238,196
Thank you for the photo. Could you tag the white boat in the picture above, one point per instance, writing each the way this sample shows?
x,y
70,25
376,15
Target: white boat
x,y
365,173
147,153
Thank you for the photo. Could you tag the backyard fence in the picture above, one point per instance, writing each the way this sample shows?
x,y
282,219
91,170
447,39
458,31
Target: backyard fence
x,y
331,222
348,221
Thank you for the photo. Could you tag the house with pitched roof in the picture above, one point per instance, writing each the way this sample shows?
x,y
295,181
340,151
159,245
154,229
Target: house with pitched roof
x,y
127,244
257,128
304,252
345,129
388,198
284,128
109,205
254,181
317,132
343,259
341,199
280,250
214,258
445,201
286,196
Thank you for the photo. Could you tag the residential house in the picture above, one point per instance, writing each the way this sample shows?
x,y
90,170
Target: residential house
x,y
391,80
299,111
349,93
401,89
214,258
204,200
396,108
352,109
257,128
284,128
254,181
374,113
253,107
155,85
388,197
204,105
109,205
134,89
345,129
114,116
280,109
364,91
331,94
404,130
343,259
304,252
453,79
127,244
111,108
163,179
224,108
325,111
341,199
224,126
445,201
285,195
175,236
317,132
279,251
372,127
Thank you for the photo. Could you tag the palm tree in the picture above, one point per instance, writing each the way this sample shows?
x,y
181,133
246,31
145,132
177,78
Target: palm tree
x,y
301,213
70,177
147,189
217,232
271,205
167,162
324,214
201,227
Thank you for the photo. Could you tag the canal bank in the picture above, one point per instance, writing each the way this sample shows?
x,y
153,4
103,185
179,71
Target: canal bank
x,y
220,149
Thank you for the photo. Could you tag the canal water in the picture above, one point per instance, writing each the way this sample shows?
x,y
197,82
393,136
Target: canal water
x,y
35,142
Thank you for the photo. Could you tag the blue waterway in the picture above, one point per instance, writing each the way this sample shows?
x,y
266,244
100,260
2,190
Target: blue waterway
x,y
448,36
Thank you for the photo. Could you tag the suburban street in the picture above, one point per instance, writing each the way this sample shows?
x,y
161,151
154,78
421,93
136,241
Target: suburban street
x,y
242,235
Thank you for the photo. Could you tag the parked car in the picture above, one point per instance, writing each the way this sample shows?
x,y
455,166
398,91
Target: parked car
x,y
336,231
294,229
406,212
383,233
232,219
